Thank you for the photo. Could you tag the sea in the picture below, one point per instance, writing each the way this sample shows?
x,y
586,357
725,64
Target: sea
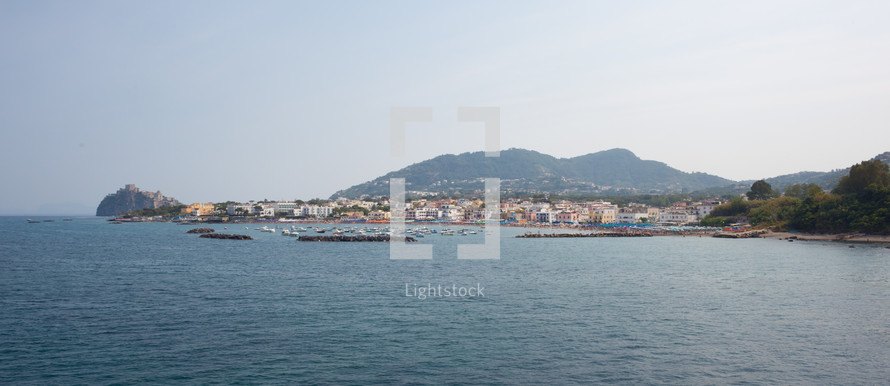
x,y
90,302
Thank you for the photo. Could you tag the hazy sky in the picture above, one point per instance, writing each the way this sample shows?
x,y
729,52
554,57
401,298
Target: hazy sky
x,y
211,101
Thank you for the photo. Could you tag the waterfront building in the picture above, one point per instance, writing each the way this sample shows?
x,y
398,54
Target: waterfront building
x,y
677,215
198,209
545,217
316,211
284,207
379,215
567,217
239,209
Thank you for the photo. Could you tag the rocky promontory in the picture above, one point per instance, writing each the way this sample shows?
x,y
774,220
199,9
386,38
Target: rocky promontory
x,y
130,198
201,230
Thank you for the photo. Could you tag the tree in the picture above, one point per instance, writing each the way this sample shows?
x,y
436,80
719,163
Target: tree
x,y
862,175
761,190
802,191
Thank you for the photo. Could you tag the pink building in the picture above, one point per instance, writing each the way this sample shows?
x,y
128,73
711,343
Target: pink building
x,y
567,217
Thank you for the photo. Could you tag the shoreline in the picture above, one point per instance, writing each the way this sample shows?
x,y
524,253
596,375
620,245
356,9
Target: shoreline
x,y
798,236
844,237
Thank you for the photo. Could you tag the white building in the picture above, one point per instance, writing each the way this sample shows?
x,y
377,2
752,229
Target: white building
x,y
704,209
540,207
285,207
427,214
630,217
316,211
451,213
263,210
239,209
545,217
677,216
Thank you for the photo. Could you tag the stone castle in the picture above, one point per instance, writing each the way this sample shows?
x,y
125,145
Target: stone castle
x,y
130,198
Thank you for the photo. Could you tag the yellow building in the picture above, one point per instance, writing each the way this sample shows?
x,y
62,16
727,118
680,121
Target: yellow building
x,y
199,209
379,215
602,216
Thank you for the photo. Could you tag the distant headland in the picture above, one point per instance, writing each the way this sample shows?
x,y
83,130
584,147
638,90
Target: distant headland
x,y
130,198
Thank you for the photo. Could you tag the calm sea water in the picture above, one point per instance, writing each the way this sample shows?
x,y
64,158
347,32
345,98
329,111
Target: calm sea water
x,y
91,302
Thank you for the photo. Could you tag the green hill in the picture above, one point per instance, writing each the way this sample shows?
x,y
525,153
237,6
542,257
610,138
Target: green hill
x,y
610,171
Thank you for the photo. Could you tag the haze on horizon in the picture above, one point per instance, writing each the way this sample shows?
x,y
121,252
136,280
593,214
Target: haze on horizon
x,y
224,100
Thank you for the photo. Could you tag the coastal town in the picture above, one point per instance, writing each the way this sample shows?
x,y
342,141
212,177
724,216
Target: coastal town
x,y
511,211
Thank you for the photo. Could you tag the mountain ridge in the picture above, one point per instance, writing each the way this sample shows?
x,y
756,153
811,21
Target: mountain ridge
x,y
610,171
531,171
826,180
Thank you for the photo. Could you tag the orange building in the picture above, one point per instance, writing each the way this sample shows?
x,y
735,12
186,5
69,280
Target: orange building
x,y
198,209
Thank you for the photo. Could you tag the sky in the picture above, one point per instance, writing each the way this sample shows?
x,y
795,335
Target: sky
x,y
210,101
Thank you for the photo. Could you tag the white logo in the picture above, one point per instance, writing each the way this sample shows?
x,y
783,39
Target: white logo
x,y
399,117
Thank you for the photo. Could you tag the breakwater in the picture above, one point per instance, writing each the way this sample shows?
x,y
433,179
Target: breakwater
x,y
573,235
224,236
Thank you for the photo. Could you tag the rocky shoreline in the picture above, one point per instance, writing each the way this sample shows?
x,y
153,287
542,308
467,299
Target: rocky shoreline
x,y
740,235
847,237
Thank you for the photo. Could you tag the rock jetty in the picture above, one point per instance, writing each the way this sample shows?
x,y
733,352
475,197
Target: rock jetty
x,y
740,235
201,230
224,236
351,238
571,235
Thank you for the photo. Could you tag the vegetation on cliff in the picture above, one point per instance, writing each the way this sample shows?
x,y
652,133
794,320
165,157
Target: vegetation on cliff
x,y
164,211
859,203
